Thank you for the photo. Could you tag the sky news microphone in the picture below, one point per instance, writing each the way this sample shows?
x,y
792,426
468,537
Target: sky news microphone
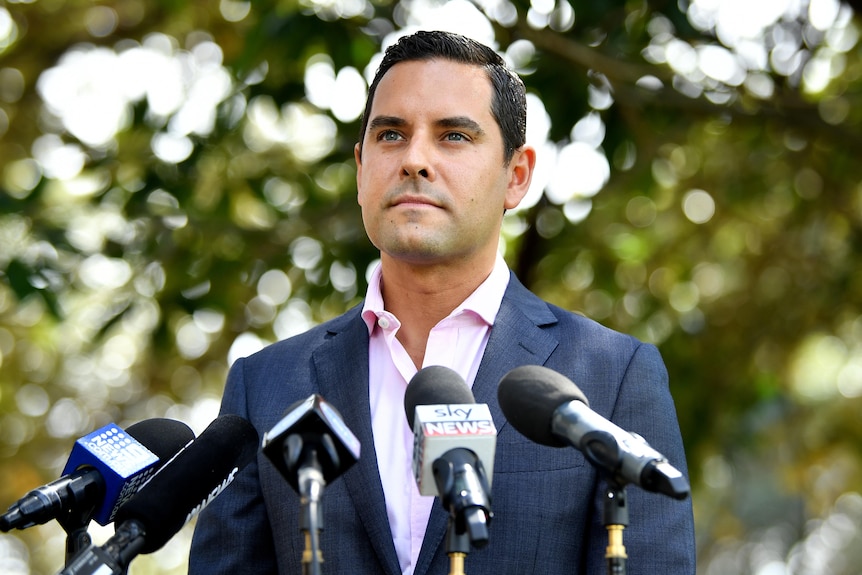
x,y
104,470
548,408
173,496
454,441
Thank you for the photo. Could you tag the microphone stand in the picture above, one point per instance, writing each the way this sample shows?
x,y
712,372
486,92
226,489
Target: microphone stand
x,y
457,547
77,539
616,518
311,485
74,523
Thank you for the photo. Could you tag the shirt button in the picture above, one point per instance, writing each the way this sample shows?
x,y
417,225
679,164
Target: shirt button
x,y
383,322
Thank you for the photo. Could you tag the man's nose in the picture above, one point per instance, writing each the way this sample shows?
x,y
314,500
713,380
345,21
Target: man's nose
x,y
417,161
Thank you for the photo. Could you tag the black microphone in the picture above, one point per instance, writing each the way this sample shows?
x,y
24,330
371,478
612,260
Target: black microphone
x,y
310,447
452,437
173,496
311,434
548,408
105,468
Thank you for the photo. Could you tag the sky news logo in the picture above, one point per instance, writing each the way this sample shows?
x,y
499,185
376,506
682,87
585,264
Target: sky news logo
x,y
481,427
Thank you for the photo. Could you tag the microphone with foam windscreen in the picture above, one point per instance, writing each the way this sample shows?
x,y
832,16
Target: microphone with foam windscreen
x,y
548,408
105,468
454,440
173,496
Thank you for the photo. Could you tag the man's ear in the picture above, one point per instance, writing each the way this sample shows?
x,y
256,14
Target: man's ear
x,y
521,168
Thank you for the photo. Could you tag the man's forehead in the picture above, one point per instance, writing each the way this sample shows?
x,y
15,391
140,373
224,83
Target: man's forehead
x,y
451,82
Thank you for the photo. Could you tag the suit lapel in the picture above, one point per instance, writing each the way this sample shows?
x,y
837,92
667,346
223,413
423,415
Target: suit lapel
x,y
516,339
341,365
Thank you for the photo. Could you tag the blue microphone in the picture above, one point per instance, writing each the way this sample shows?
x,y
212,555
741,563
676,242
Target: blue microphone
x,y
105,468
172,497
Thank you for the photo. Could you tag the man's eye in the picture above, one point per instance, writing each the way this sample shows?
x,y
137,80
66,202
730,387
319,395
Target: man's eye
x,y
456,137
388,136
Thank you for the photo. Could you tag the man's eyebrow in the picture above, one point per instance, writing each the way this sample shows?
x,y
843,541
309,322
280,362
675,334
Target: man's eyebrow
x,y
463,123
386,122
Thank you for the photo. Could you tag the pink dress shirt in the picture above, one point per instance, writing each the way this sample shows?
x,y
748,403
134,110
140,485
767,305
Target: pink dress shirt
x,y
458,342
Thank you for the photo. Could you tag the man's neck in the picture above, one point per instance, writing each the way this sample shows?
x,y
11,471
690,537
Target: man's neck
x,y
420,296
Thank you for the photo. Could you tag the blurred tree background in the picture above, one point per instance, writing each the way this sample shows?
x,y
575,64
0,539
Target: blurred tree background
x,y
177,189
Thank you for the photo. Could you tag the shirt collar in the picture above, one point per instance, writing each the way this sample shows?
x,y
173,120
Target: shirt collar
x,y
484,302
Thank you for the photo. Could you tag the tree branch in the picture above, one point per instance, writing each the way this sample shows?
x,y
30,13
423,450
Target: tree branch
x,y
623,77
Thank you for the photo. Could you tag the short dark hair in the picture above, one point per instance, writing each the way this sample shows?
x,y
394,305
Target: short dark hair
x,y
509,101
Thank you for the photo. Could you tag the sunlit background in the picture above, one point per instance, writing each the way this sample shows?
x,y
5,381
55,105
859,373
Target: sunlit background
x,y
73,352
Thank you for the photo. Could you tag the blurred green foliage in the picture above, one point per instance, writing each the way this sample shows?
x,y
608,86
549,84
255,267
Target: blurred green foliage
x,y
177,188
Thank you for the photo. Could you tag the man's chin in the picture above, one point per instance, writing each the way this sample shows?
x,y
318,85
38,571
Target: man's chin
x,y
418,253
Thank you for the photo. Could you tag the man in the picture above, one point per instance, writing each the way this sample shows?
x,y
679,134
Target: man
x,y
441,157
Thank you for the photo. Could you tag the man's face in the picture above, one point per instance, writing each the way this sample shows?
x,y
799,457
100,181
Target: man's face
x,y
431,179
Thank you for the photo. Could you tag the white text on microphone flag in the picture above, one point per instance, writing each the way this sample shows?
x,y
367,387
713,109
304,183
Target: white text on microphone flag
x,y
439,428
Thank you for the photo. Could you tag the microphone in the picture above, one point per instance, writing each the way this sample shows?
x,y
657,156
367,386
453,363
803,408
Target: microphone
x,y
310,447
454,441
173,496
104,470
311,433
549,409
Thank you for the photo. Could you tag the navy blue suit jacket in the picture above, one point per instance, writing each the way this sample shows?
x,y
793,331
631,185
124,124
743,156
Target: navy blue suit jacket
x,y
547,501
